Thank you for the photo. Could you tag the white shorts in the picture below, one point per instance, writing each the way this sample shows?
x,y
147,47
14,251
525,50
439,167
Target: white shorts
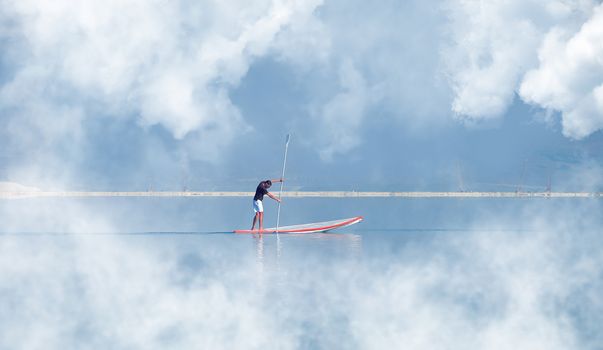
x,y
258,206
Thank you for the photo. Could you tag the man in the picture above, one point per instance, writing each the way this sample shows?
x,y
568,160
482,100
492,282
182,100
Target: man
x,y
258,206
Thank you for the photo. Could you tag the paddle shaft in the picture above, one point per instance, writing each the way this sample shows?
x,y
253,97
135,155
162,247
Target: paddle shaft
x,y
278,212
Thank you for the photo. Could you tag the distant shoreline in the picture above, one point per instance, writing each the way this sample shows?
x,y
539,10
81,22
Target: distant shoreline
x,y
299,194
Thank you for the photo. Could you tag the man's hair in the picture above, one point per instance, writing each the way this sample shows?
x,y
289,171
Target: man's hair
x,y
268,182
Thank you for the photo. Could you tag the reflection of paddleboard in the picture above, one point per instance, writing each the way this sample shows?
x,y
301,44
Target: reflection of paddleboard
x,y
309,228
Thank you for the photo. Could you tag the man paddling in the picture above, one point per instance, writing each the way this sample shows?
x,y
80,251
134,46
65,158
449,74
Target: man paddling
x,y
258,206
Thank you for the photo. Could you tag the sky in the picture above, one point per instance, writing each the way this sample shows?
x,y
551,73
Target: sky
x,y
443,95
400,95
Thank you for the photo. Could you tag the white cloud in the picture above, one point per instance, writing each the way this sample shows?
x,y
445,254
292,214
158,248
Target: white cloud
x,y
391,47
175,63
569,77
423,62
305,43
341,117
171,62
493,43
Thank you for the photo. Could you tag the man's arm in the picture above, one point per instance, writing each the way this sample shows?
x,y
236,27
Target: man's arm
x,y
273,197
278,180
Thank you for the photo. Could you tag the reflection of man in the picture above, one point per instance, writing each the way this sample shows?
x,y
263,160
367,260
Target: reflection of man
x,y
258,206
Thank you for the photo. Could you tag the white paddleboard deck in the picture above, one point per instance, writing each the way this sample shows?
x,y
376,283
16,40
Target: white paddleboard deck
x,y
309,228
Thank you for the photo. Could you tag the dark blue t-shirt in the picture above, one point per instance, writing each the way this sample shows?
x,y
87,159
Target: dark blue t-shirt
x,y
260,191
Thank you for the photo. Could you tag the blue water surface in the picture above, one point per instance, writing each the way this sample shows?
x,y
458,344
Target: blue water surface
x,y
421,274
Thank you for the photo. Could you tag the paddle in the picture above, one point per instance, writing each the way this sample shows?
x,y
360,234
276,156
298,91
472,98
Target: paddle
x,y
278,212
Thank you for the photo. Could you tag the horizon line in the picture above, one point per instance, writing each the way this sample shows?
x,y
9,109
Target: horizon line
x,y
306,194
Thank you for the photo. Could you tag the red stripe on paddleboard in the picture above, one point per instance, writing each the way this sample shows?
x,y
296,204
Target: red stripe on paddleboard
x,y
309,229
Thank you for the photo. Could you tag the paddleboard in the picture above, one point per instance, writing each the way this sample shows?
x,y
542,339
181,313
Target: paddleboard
x,y
309,228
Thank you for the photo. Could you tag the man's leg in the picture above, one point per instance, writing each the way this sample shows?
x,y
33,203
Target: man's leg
x,y
261,220
255,218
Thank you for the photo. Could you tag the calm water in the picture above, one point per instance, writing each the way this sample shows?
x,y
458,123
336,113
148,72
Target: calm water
x,y
129,274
